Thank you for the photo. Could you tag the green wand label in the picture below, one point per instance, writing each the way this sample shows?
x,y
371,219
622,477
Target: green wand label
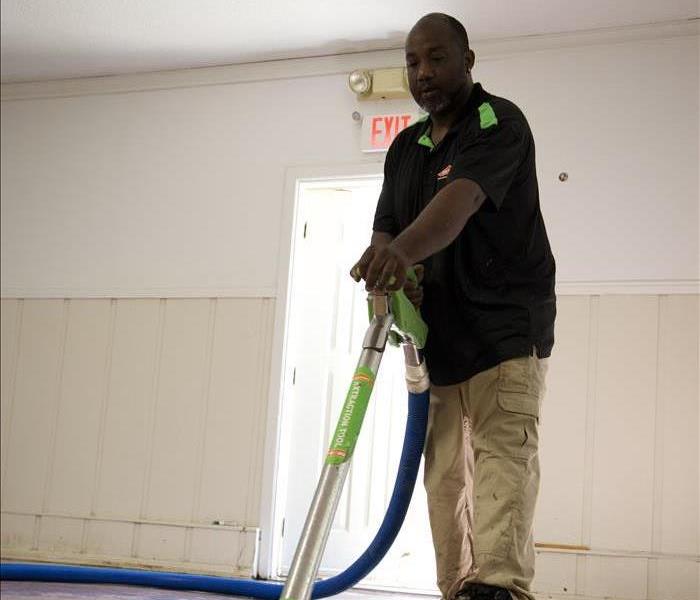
x,y
351,417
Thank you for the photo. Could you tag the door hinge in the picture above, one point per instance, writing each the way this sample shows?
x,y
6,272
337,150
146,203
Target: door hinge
x,y
305,225
294,376
284,522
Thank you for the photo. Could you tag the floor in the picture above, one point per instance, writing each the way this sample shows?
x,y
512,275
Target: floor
x,y
32,590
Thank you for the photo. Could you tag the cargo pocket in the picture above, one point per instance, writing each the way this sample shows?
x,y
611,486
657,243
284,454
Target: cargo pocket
x,y
519,403
519,419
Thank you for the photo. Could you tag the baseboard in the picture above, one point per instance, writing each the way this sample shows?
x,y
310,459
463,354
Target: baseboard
x,y
15,555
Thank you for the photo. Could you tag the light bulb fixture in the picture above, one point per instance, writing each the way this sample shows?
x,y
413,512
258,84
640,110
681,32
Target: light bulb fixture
x,y
379,84
360,81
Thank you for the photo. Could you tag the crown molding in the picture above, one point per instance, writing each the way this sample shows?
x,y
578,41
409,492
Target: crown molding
x,y
340,64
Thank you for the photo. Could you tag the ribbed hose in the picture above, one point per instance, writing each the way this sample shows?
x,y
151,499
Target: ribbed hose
x,y
400,499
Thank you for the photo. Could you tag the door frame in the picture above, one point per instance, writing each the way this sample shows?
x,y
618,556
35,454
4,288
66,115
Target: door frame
x,y
273,482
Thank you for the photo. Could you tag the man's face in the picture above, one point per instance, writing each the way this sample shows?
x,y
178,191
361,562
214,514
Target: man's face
x,y
436,66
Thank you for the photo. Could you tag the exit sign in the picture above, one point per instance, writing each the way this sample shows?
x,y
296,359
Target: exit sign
x,y
378,131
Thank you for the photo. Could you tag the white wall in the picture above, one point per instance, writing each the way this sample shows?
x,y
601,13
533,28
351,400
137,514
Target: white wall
x,y
180,191
172,185
619,449
130,426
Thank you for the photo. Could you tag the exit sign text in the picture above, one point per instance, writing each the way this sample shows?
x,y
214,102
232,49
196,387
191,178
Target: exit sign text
x,y
378,131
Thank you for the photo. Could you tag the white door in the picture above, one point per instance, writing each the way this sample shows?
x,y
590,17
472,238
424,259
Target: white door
x,y
328,319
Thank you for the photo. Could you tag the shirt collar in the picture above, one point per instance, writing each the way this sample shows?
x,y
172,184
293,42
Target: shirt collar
x,y
472,102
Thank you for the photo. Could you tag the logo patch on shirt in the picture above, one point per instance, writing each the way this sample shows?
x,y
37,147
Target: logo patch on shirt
x,y
444,173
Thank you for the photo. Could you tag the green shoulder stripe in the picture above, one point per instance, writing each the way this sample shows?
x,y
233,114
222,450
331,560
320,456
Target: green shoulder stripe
x,y
425,140
487,116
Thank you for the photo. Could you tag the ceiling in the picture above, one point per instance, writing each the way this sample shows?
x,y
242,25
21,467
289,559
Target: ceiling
x,y
58,39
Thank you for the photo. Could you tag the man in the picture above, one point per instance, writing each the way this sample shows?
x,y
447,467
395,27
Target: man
x,y
460,196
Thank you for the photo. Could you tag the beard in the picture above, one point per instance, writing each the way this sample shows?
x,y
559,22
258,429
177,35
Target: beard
x,y
435,102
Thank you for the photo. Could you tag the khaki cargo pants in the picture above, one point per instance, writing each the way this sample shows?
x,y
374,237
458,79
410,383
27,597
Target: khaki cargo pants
x,y
482,476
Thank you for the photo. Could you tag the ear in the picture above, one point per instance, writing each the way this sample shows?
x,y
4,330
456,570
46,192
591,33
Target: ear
x,y
469,58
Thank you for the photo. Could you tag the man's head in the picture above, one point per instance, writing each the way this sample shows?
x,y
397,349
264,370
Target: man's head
x,y
439,62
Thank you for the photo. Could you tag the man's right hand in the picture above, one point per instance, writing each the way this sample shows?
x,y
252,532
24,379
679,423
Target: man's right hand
x,y
413,290
383,268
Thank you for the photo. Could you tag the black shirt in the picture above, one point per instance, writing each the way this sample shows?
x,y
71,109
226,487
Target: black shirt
x,y
488,296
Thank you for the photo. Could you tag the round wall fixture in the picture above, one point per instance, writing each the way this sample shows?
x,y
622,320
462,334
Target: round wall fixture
x,y
360,81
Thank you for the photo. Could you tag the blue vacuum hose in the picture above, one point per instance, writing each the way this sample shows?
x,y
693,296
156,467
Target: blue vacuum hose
x,y
389,529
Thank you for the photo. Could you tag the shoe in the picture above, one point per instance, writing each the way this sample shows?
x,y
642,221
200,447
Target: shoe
x,y
482,591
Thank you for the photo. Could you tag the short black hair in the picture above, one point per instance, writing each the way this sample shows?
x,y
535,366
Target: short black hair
x,y
457,28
